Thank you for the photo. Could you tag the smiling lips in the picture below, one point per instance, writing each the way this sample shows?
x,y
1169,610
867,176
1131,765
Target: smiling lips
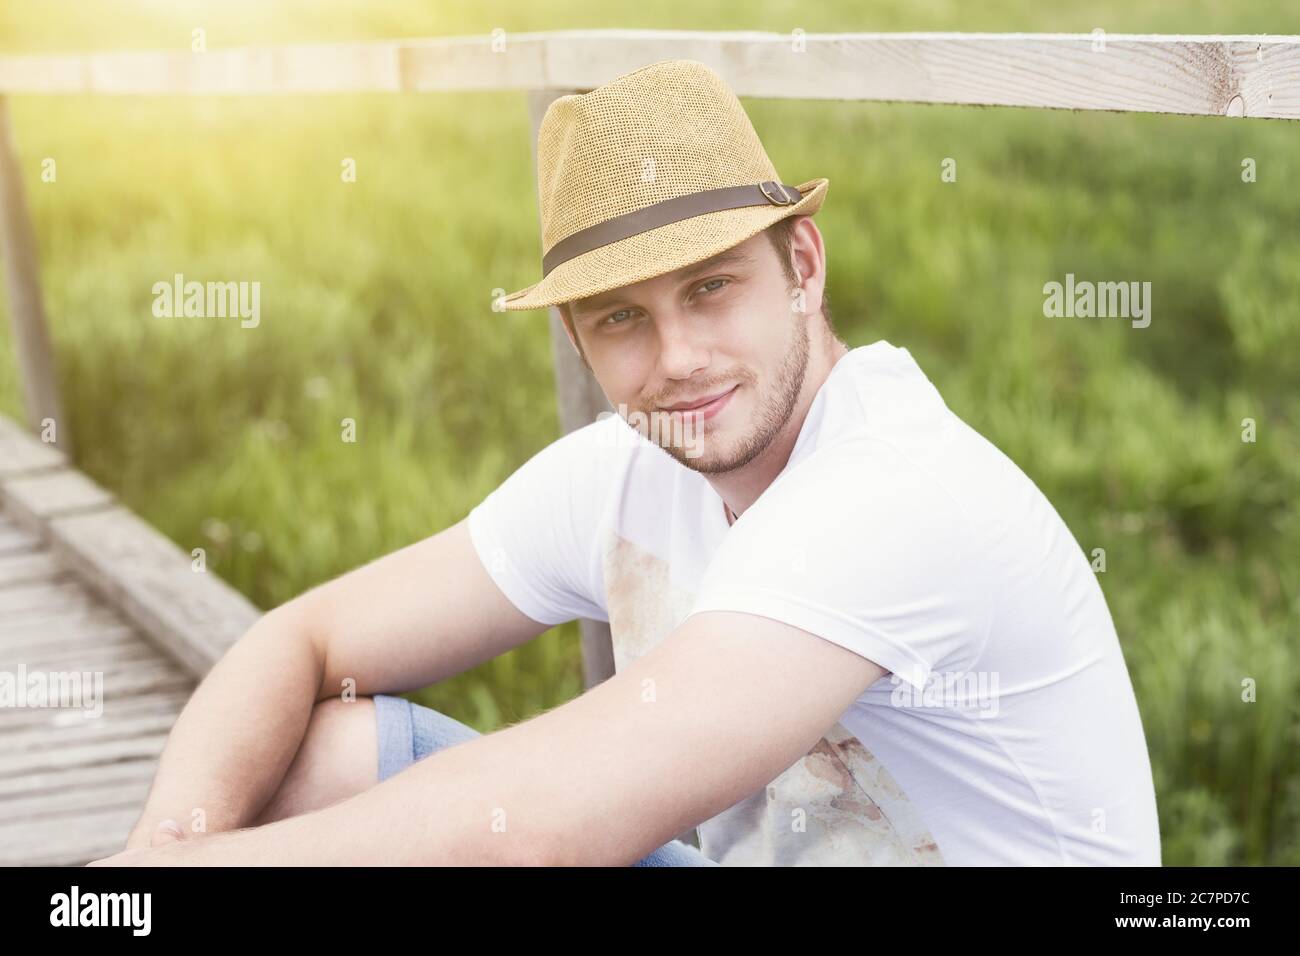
x,y
706,409
698,403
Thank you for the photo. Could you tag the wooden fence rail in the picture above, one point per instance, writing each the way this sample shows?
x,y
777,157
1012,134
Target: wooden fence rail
x,y
1251,76
1257,76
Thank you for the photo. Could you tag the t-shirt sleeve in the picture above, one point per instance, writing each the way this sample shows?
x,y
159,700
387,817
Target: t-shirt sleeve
x,y
865,549
537,532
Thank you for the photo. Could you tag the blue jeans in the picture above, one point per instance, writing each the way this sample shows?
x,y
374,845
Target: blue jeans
x,y
409,732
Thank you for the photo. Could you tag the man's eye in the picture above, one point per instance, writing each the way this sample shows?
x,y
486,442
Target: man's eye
x,y
613,317
718,285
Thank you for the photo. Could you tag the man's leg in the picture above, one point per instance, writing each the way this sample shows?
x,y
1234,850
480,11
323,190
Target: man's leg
x,y
336,760
350,746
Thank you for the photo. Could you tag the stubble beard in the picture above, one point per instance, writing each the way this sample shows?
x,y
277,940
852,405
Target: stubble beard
x,y
773,413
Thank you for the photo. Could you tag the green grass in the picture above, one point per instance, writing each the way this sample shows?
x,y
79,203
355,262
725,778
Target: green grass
x,y
375,306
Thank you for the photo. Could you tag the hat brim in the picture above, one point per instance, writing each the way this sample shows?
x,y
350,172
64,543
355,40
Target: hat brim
x,y
659,251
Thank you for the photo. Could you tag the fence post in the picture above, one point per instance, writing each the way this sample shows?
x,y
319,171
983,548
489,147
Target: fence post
x,y
580,400
26,311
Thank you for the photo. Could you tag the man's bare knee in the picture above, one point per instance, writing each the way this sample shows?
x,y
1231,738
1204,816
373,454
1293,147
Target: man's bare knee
x,y
338,758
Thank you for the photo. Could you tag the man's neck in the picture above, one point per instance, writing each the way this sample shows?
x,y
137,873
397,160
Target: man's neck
x,y
740,488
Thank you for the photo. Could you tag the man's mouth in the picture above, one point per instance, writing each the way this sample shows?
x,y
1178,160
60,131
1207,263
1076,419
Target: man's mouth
x,y
699,403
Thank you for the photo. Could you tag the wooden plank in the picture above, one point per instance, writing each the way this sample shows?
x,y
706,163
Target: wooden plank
x,y
99,795
21,452
79,603
15,540
90,755
34,600
194,616
89,730
95,847
155,676
76,778
57,623
30,567
34,498
60,73
26,647
382,66
70,837
167,699
580,400
1254,76
107,657
515,61
36,364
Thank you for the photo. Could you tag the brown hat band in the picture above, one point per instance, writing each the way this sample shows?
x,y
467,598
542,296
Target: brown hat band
x,y
662,213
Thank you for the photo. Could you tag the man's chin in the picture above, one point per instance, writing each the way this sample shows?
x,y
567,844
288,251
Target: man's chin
x,y
709,455
711,447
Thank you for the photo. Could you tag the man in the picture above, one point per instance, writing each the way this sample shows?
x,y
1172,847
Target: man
x,y
847,629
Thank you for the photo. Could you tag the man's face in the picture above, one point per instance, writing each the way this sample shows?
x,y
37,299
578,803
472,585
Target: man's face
x,y
728,325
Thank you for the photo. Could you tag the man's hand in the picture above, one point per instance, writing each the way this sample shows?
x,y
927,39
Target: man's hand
x,y
164,832
251,846
142,841
169,853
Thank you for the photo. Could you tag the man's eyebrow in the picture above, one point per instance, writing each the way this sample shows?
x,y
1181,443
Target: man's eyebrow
x,y
731,257
686,273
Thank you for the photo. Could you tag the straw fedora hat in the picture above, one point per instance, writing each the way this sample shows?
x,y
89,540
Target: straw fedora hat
x,y
657,170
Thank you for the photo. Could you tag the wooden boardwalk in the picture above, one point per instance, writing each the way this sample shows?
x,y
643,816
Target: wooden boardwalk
x,y
90,593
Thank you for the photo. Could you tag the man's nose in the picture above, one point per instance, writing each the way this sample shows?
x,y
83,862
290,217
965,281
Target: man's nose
x,y
683,348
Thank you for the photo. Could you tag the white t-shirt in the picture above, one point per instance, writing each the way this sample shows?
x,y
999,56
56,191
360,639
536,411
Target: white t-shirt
x,y
1007,731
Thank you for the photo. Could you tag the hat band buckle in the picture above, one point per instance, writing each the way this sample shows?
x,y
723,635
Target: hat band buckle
x,y
782,198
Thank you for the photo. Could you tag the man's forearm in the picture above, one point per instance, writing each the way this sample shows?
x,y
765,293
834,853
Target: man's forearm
x,y
229,749
492,800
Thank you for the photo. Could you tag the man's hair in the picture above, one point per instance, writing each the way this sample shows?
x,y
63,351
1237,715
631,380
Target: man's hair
x,y
781,235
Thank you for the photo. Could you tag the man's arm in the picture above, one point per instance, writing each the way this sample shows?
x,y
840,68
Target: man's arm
x,y
403,621
718,709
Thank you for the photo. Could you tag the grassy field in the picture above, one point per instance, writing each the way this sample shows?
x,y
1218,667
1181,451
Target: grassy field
x,y
376,306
